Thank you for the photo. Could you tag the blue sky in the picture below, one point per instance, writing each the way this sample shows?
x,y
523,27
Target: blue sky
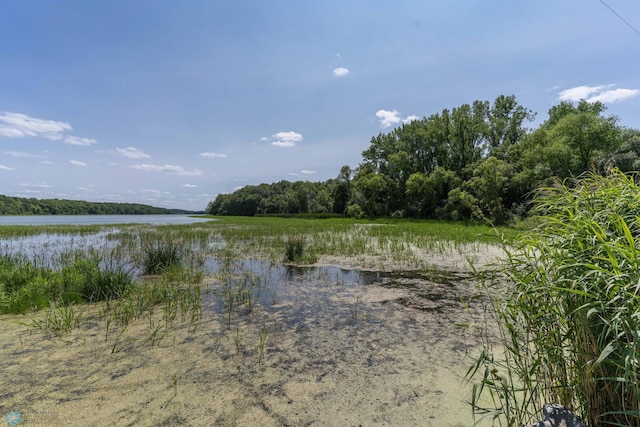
x,y
170,103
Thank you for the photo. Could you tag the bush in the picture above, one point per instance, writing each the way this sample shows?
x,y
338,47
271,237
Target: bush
x,y
355,211
570,313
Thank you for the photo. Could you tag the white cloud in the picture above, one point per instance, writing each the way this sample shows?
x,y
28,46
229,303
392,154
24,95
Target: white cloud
x,y
213,155
6,168
340,72
77,163
74,140
19,154
155,192
597,94
286,139
388,118
46,162
132,152
303,172
190,186
26,184
615,95
579,92
16,125
171,169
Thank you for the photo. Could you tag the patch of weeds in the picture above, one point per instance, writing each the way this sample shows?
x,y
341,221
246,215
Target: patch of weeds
x,y
59,319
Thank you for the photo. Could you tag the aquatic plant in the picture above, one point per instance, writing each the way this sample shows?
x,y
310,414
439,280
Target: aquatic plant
x,y
294,247
567,302
161,255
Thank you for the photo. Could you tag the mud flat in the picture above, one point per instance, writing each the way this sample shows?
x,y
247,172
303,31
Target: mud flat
x,y
320,346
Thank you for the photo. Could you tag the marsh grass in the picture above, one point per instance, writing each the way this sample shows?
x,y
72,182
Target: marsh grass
x,y
26,286
567,300
294,247
159,256
59,319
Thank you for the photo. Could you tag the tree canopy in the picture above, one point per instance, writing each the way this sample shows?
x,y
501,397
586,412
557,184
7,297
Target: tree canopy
x,y
32,206
477,161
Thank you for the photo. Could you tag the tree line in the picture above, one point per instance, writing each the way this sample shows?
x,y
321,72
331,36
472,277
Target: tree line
x,y
32,206
478,161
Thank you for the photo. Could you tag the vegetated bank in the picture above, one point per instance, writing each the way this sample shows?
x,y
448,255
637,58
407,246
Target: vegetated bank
x,y
478,162
32,206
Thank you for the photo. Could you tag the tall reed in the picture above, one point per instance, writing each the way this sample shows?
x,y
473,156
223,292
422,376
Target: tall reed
x,y
568,308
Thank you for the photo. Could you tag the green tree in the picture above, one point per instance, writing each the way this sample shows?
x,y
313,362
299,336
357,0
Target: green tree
x,y
341,193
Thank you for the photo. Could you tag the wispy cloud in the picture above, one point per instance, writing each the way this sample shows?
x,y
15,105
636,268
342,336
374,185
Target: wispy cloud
x,y
286,139
77,163
6,168
74,140
602,93
19,154
132,152
303,172
213,155
16,125
340,72
190,186
27,184
171,169
390,118
87,189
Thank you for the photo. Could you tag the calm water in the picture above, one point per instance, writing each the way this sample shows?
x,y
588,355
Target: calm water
x,y
98,219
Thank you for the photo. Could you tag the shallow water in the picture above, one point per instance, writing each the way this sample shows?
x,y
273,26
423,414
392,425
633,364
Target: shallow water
x,y
98,219
277,345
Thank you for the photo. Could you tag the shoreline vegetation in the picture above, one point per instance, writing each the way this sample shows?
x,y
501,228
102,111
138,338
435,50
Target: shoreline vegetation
x,y
32,206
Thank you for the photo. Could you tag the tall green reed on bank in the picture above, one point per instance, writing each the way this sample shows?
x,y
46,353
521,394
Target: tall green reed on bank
x,y
567,302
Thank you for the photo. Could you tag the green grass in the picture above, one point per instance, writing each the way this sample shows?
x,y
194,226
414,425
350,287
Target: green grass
x,y
305,241
568,302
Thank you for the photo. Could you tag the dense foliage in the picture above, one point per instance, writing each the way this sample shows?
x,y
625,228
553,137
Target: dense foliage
x,y
477,161
23,206
570,315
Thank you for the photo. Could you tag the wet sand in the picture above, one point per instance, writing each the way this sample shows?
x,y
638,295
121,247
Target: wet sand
x,y
386,352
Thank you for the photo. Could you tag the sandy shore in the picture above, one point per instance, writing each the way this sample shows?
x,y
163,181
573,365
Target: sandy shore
x,y
386,353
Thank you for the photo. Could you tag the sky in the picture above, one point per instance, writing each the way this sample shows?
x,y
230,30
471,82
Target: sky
x,y
170,103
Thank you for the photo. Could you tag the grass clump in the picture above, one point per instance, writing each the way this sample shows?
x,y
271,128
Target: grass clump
x,y
60,319
569,310
24,286
160,255
294,248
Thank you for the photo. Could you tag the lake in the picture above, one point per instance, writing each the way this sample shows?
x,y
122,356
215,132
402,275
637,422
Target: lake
x,y
99,219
